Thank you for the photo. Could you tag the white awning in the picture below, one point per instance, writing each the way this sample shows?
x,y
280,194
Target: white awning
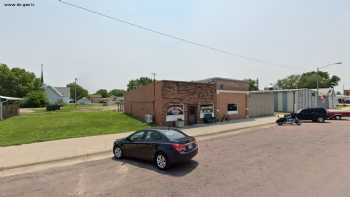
x,y
10,98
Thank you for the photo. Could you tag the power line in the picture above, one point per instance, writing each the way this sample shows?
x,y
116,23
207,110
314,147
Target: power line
x,y
261,61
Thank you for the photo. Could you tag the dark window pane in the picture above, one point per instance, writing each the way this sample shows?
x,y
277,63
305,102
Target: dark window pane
x,y
232,107
153,136
172,134
139,136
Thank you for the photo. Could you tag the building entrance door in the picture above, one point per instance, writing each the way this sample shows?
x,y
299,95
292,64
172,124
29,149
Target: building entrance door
x,y
191,114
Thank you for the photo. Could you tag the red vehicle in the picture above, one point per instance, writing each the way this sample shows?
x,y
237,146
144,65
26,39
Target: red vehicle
x,y
337,114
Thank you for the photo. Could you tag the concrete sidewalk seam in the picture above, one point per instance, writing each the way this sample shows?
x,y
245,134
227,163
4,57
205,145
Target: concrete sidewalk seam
x,y
2,169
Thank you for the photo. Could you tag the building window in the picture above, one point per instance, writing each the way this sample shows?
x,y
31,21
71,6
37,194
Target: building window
x,y
232,108
221,86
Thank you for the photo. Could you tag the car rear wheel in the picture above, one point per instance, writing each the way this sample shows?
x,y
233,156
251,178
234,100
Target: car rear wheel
x,y
161,161
118,152
338,117
320,119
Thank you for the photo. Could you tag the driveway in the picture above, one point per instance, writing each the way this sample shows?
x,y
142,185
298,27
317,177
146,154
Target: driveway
x,y
308,160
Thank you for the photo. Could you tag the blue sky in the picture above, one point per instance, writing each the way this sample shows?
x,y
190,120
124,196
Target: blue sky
x,y
296,35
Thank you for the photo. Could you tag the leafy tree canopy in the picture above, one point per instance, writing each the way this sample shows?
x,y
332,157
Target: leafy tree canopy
x,y
135,83
117,92
36,98
103,92
17,82
253,85
81,92
309,80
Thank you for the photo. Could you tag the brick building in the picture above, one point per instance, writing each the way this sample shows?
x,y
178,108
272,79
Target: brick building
x,y
227,84
170,101
231,104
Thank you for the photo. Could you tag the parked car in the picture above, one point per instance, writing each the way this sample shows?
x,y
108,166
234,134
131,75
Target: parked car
x,y
337,114
314,114
164,147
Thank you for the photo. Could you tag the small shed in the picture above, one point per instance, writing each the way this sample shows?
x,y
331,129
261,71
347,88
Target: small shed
x,y
9,106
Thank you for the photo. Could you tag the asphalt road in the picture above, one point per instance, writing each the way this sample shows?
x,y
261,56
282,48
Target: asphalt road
x,y
308,160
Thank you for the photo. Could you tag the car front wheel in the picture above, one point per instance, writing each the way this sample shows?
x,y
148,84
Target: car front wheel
x,y
118,152
161,161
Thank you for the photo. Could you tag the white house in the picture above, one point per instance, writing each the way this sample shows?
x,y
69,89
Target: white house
x,y
57,94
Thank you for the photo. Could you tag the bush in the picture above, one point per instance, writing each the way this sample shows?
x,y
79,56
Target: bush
x,y
35,98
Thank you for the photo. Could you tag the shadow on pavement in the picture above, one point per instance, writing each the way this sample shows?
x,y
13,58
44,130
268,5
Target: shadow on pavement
x,y
177,170
308,122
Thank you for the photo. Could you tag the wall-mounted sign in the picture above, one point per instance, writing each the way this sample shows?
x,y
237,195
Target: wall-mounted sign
x,y
175,112
206,109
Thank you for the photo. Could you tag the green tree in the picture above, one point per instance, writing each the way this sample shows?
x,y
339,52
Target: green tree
x,y
36,98
133,84
103,92
81,92
290,82
17,82
309,80
117,92
253,85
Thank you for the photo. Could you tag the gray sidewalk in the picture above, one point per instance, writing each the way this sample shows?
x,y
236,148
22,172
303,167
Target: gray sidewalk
x,y
51,151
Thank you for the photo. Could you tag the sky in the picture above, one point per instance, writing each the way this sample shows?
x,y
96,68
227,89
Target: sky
x,y
291,36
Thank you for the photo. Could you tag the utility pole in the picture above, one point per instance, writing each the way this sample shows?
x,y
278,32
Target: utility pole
x,y
154,96
42,74
75,90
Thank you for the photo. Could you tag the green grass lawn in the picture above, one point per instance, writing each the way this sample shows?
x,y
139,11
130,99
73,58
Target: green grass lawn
x,y
70,122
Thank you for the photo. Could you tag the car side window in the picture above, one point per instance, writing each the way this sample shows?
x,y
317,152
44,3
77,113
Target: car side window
x,y
139,136
153,136
305,111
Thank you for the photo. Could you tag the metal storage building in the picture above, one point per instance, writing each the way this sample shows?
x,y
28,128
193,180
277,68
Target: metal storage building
x,y
294,99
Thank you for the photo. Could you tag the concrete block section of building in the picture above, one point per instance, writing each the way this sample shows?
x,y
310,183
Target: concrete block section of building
x,y
260,103
171,101
231,104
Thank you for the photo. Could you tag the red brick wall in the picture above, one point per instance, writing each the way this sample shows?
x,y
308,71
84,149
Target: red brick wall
x,y
225,98
139,102
236,85
187,93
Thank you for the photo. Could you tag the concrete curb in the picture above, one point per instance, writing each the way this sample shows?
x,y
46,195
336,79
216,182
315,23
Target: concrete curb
x,y
89,155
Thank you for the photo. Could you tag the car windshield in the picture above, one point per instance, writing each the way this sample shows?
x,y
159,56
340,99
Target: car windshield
x,y
172,134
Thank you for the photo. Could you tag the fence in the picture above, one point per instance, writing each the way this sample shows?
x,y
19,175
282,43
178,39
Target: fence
x,y
8,110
